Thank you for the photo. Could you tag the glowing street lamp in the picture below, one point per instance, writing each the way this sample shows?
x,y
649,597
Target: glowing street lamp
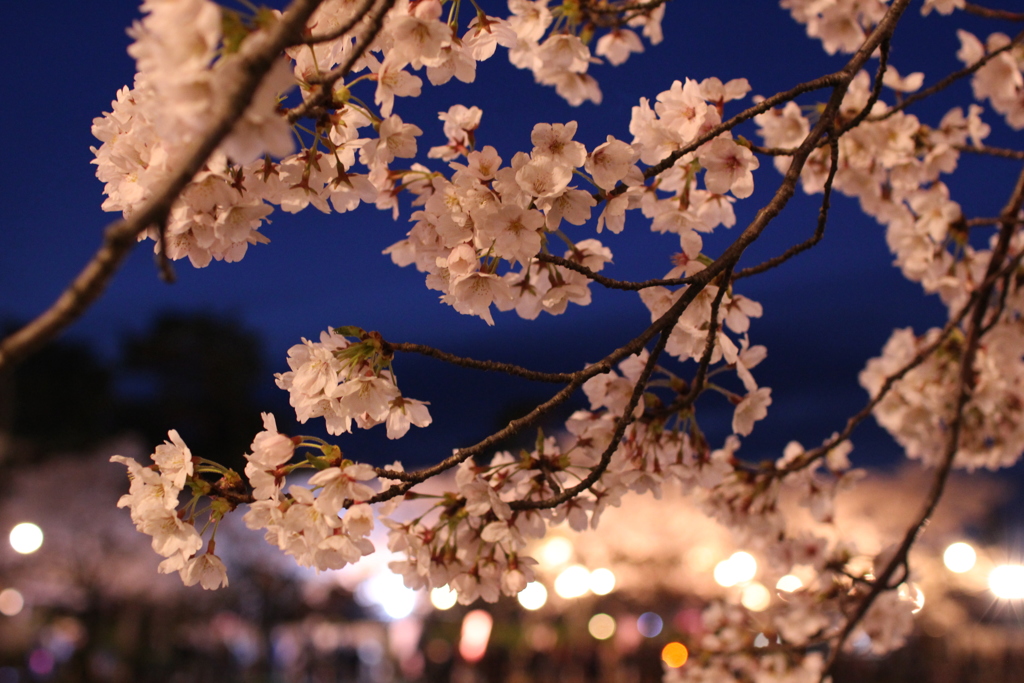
x,y
26,538
1007,582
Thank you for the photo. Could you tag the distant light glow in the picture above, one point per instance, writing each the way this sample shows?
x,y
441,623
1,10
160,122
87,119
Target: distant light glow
x,y
789,583
534,596
761,640
11,602
601,626
649,624
756,597
26,538
911,592
476,631
556,551
388,592
960,557
573,582
41,662
602,581
1007,582
739,568
443,597
675,655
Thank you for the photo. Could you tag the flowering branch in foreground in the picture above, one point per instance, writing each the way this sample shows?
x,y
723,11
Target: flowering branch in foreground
x,y
201,150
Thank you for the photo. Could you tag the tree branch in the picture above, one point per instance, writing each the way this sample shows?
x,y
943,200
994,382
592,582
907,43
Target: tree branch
x,y
607,281
965,384
980,11
240,78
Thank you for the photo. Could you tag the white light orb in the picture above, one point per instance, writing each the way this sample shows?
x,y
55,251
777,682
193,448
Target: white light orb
x,y
739,568
26,538
443,598
534,596
1007,582
573,582
555,552
601,626
11,602
388,593
789,583
756,597
602,581
744,566
960,557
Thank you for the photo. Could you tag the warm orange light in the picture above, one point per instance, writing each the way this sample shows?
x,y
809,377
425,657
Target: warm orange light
x,y
675,655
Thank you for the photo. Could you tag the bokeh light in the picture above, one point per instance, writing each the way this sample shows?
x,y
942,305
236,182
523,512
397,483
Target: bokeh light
x,y
756,597
534,596
389,593
739,568
443,597
649,624
601,626
476,631
573,582
26,538
602,581
1007,582
911,592
789,583
960,557
556,551
675,655
11,602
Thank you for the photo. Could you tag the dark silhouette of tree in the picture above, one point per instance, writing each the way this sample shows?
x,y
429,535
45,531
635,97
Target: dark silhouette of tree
x,y
196,373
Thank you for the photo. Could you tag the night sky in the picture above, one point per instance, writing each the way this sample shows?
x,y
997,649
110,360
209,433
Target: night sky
x,y
826,312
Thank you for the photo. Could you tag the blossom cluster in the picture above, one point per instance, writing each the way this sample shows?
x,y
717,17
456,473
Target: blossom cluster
x,y
346,382
153,501
304,522
182,56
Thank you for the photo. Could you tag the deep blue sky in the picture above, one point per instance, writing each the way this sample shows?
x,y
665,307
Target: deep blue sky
x,y
825,313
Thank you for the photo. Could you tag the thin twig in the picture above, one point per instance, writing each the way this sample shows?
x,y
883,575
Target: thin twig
x,y
488,365
607,281
991,151
326,83
948,80
988,13
819,231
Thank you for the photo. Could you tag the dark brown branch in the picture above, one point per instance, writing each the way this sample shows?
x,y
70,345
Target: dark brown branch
x,y
607,281
241,76
988,13
976,222
700,377
488,365
991,151
819,231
